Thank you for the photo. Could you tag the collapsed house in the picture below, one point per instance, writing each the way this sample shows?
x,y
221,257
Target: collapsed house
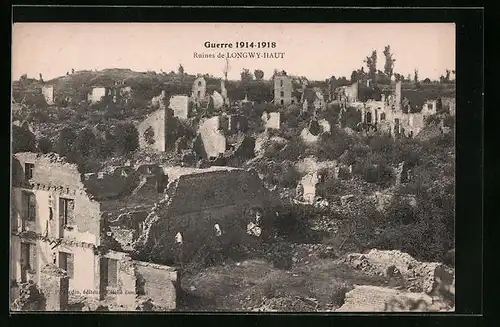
x,y
220,134
57,218
93,225
392,114
159,130
312,100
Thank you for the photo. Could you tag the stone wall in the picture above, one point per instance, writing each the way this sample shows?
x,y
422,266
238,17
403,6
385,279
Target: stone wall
x,y
158,283
97,94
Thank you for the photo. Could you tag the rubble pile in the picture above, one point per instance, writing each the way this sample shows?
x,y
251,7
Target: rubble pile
x,y
287,304
30,298
147,304
366,298
428,277
304,253
327,224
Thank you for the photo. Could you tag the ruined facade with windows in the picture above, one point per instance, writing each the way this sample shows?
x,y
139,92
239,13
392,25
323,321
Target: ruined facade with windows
x,y
92,226
392,114
158,131
58,218
312,100
283,90
199,90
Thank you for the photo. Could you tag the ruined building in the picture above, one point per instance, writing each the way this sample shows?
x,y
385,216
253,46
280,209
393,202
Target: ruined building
x,y
199,199
99,227
216,133
199,90
347,94
97,94
283,90
158,131
59,217
392,114
312,100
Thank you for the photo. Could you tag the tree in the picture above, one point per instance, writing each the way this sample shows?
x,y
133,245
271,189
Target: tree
x,y
415,76
85,142
127,138
389,61
181,70
66,140
246,76
354,76
371,64
398,77
447,77
22,140
259,74
44,145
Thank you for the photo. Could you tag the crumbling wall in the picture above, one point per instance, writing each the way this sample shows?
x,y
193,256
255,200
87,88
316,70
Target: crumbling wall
x,y
428,277
97,94
53,180
365,298
196,192
180,105
158,102
214,141
271,120
155,123
124,293
351,92
50,169
158,283
200,201
199,89
55,287
218,100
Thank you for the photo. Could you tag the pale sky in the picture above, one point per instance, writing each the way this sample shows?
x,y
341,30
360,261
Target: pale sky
x,y
314,50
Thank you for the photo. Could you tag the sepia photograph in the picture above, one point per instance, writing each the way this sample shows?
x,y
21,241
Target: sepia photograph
x,y
233,167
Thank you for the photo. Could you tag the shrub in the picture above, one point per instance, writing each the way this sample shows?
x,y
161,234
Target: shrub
x,y
67,137
22,140
126,137
44,145
86,142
